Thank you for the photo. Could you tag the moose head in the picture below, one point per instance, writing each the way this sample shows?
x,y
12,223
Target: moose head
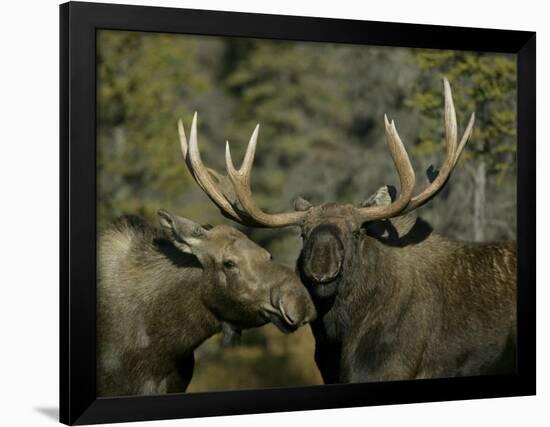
x,y
330,231
241,283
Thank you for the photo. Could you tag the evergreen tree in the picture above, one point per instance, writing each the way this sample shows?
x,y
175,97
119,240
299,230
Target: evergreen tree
x,y
486,84
145,83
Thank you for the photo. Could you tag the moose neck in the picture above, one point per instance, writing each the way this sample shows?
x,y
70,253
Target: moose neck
x,y
365,276
190,322
377,265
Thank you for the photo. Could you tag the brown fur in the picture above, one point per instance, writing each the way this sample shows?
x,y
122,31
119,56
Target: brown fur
x,y
156,303
406,303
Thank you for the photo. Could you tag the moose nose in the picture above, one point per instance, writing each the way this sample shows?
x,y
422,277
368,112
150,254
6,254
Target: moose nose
x,y
296,308
298,316
323,256
311,312
291,315
321,278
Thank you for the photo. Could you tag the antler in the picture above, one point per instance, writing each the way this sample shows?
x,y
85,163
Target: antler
x,y
220,192
241,184
233,195
406,178
454,151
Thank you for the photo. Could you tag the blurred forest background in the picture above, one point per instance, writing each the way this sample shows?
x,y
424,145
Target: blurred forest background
x,y
321,109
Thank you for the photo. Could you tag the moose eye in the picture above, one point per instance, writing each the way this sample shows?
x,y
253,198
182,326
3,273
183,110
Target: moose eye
x,y
229,264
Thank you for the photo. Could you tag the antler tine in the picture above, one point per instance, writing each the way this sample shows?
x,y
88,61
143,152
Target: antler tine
x,y
467,135
453,151
246,167
245,170
451,131
406,177
185,149
241,184
201,174
183,140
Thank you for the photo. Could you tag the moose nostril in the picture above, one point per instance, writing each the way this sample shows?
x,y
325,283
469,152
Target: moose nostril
x,y
291,317
294,304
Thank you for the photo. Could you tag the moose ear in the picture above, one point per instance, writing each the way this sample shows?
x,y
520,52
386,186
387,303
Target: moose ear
x,y
301,204
184,233
384,196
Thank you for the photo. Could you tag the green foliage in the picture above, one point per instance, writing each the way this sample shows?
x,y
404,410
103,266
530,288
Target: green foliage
x,y
482,83
274,81
145,83
486,84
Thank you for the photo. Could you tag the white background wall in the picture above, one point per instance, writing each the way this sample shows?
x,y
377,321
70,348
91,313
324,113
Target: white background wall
x,y
29,210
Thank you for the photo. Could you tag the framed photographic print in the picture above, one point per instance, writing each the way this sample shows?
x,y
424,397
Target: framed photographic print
x,y
268,213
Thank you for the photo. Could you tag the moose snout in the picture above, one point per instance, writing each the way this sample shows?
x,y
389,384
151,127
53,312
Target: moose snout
x,y
294,305
323,256
322,277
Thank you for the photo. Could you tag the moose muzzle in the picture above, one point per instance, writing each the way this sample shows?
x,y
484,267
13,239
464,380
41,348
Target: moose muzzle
x,y
291,305
323,255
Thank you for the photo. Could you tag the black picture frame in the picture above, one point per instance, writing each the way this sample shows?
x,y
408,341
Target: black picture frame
x,y
78,25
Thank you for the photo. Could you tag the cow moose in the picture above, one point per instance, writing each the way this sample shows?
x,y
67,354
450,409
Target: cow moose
x,y
161,293
416,305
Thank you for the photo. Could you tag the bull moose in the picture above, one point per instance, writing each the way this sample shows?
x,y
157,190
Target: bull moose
x,y
161,293
414,306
